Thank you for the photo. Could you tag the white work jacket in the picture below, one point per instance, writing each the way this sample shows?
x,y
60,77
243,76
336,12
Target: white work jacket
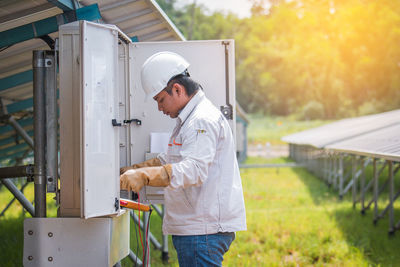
x,y
205,195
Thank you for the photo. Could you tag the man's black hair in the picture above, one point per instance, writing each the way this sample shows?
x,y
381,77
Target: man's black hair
x,y
190,85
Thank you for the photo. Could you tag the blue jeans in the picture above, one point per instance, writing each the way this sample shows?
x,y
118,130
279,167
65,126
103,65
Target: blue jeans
x,y
202,250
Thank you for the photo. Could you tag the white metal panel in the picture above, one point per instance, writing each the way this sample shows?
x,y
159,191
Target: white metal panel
x,y
207,66
75,241
99,186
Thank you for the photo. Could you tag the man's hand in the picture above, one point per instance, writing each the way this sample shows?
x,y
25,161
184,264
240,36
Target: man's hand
x,y
122,170
135,179
132,180
148,163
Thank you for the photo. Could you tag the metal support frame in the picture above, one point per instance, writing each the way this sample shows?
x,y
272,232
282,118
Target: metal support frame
x,y
135,259
391,198
17,171
22,123
20,131
339,171
150,237
378,191
354,177
164,246
355,174
341,176
19,195
375,190
12,200
374,182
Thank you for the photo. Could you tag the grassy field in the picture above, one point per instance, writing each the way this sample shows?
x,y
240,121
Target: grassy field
x,y
263,129
293,219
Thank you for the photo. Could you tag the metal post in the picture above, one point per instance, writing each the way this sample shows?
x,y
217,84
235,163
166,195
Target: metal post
x,y
362,190
40,132
146,222
164,253
376,190
329,168
391,198
335,170
51,121
353,174
336,173
18,195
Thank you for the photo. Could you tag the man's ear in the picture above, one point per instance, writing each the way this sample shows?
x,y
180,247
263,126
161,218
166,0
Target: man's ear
x,y
179,89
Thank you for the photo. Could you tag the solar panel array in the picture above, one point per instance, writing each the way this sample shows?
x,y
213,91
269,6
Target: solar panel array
x,y
375,135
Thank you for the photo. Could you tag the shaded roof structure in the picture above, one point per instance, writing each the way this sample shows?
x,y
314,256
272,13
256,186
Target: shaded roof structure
x,y
343,130
26,25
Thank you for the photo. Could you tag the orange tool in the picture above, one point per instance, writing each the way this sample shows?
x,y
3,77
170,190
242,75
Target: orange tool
x,y
130,204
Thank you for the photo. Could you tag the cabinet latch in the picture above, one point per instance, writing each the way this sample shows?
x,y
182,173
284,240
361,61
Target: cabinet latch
x,y
115,123
137,121
116,204
227,111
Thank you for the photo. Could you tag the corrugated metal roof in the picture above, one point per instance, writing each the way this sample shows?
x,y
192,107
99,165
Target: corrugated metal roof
x,y
342,130
142,19
383,143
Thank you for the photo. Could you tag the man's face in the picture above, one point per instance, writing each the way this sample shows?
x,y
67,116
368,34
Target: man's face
x,y
170,105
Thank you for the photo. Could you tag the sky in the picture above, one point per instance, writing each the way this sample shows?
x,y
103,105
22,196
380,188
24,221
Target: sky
x,y
239,7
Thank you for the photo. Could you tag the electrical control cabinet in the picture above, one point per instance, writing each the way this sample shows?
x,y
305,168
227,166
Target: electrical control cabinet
x,y
105,122
89,110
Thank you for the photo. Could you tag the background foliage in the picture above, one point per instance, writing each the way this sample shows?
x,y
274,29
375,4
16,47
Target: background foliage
x,y
315,58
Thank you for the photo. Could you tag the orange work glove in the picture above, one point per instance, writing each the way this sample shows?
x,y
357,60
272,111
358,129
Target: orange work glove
x,y
135,179
148,163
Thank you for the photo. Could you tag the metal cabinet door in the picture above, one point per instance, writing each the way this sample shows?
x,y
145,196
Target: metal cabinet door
x,y
212,64
100,140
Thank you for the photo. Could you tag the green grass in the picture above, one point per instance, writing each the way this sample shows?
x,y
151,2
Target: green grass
x,y
263,129
293,219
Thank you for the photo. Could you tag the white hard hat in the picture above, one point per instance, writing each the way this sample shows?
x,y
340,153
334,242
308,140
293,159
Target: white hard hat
x,y
158,69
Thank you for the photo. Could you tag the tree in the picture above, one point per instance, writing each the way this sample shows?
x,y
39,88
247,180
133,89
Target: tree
x,y
343,54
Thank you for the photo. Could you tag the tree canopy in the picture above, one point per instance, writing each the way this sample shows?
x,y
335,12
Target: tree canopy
x,y
338,57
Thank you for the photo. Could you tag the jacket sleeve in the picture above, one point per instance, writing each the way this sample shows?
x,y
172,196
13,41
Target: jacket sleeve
x,y
199,144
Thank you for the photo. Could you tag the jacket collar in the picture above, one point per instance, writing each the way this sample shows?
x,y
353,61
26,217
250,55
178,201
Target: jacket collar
x,y
187,110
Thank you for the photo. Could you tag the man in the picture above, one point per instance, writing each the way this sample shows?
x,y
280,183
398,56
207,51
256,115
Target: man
x,y
203,195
